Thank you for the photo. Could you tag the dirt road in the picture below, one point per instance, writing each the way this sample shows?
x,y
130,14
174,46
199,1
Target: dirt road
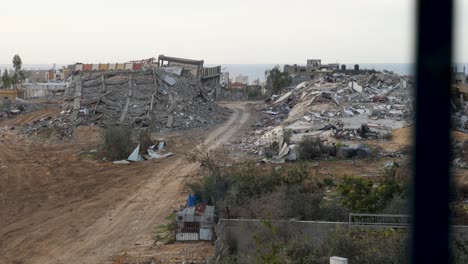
x,y
66,210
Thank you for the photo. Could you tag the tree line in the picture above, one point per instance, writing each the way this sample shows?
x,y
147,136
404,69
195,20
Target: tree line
x,y
18,76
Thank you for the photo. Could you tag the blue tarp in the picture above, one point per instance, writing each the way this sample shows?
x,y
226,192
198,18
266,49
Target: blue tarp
x,y
191,200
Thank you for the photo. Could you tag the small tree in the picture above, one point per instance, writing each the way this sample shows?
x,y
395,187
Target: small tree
x,y
19,74
277,80
6,81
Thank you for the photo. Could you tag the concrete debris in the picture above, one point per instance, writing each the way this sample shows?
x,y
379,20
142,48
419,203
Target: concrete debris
x,y
341,107
173,70
157,98
13,108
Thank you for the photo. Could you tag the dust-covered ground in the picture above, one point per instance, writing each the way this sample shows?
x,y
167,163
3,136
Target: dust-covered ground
x,y
57,206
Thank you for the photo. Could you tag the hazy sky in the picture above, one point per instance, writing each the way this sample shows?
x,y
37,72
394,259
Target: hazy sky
x,y
218,31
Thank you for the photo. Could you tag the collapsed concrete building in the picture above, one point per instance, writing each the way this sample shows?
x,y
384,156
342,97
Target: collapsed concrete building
x,y
313,65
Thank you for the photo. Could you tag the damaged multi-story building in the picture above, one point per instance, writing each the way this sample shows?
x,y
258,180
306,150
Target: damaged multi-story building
x,y
208,76
313,65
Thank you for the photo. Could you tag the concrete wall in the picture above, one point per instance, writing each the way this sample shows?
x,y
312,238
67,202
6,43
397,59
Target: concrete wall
x,y
42,90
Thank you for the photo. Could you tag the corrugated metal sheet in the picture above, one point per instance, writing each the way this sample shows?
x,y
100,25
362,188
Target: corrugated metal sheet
x,y
103,66
87,67
137,66
120,67
95,67
79,67
134,155
112,66
205,234
128,66
187,236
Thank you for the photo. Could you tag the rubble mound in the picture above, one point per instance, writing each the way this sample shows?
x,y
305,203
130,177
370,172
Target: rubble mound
x,y
153,98
13,108
335,107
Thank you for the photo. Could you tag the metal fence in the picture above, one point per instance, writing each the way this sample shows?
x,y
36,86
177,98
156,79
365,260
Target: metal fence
x,y
379,220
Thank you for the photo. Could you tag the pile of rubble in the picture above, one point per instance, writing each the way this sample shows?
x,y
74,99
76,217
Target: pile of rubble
x,y
335,107
13,108
160,98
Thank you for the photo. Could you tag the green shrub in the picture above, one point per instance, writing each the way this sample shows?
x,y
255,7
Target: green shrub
x,y
329,182
117,143
361,196
297,174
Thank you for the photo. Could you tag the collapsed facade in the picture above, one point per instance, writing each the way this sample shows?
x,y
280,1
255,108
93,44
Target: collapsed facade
x,y
166,96
313,65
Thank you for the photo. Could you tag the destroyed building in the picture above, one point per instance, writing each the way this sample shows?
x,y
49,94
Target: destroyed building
x,y
331,109
313,65
208,76
159,98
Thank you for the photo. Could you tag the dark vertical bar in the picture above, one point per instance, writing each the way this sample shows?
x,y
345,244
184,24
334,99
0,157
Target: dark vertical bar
x,y
431,214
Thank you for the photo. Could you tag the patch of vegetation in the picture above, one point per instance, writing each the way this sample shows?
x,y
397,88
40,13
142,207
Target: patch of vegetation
x,y
341,145
165,233
277,80
117,143
363,196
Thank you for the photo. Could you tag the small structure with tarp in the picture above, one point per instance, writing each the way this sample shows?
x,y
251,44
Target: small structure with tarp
x,y
195,222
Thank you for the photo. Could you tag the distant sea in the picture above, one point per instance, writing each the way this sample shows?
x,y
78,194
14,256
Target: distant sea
x,y
257,71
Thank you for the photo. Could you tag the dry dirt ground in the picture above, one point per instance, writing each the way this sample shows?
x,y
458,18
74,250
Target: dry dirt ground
x,y
56,207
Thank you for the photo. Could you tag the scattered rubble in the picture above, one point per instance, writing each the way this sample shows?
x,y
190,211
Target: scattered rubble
x,y
333,109
13,108
158,98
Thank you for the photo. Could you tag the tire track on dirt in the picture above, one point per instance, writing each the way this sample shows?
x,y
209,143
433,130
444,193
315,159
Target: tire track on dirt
x,y
126,223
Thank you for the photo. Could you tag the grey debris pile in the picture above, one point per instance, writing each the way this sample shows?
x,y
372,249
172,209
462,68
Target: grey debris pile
x,y
334,108
13,108
158,98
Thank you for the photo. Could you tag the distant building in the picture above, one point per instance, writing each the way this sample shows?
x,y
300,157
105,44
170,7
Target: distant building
x,y
43,90
11,94
209,76
238,85
241,79
37,76
313,65
224,80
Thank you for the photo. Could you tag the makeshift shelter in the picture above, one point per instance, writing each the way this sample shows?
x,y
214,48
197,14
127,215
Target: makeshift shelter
x,y
195,223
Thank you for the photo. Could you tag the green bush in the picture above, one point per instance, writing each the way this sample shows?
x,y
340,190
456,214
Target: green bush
x,y
358,246
117,143
361,196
